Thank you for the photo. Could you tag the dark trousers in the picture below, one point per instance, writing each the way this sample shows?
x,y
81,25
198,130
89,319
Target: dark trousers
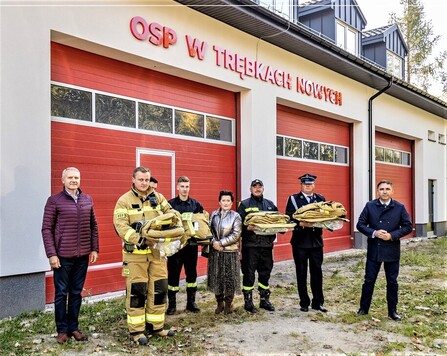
x,y
314,258
186,257
372,269
256,259
68,283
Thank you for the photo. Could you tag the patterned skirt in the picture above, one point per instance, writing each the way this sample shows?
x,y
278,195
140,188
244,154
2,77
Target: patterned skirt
x,y
224,273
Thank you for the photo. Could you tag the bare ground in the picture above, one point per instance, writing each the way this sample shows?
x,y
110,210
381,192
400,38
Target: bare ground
x,y
286,331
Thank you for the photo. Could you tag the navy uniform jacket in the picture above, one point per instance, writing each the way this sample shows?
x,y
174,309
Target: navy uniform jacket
x,y
254,205
190,205
304,237
394,219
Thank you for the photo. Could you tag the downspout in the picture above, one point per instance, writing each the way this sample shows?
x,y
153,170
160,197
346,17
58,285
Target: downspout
x,y
370,136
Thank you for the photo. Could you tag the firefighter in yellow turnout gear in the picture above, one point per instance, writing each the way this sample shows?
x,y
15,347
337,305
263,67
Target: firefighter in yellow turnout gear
x,y
143,266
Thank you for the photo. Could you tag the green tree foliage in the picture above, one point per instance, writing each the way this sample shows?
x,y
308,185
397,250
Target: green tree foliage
x,y
424,65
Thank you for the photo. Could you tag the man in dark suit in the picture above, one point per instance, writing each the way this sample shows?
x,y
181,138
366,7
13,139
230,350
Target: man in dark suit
x,y
384,221
307,246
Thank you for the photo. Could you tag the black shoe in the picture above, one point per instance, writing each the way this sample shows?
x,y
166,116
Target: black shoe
x,y
320,308
361,312
171,310
304,309
192,307
393,315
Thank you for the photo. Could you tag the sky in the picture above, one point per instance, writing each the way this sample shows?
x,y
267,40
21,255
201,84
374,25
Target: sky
x,y
377,13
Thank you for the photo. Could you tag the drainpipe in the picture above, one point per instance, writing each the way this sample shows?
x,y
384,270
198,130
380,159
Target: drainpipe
x,y
370,136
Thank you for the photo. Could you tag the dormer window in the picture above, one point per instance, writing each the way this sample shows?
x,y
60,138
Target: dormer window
x,y
346,37
394,64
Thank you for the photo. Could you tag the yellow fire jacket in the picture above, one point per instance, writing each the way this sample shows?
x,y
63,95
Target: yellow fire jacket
x,y
132,207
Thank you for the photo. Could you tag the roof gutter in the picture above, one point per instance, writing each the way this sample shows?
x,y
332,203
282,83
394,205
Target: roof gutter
x,y
370,137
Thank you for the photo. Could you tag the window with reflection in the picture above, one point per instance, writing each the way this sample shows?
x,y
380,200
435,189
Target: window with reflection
x,y
326,153
310,150
218,129
380,154
394,64
279,146
155,118
189,123
71,103
388,155
293,148
396,157
115,111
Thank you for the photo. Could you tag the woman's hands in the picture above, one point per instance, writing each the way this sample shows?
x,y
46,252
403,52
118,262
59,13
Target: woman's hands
x,y
217,246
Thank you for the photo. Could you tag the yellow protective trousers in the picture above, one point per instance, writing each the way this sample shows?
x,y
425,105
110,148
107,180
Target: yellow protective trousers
x,y
146,290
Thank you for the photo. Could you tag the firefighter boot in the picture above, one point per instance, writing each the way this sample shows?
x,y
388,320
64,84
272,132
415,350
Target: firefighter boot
x,y
191,300
138,338
228,309
220,304
172,303
265,303
248,301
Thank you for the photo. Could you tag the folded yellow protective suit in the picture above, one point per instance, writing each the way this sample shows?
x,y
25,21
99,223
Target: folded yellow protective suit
x,y
197,225
164,227
269,222
321,211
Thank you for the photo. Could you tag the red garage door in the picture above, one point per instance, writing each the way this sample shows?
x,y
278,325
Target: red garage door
x,y
394,162
309,143
106,145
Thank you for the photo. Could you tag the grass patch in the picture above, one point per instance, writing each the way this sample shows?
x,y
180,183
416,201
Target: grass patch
x,y
422,303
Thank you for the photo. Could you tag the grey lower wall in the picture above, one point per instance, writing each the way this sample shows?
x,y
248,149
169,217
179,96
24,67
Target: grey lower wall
x,y
360,240
22,293
421,230
440,228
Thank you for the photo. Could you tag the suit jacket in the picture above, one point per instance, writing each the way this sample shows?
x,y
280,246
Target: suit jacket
x,y
304,237
394,219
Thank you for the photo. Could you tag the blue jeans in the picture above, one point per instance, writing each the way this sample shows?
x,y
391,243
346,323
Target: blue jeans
x,y
68,283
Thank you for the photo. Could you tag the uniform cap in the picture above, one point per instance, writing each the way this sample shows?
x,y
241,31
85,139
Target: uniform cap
x,y
256,181
307,178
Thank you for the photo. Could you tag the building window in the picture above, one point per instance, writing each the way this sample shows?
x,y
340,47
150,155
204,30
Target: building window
x,y
326,153
279,146
346,38
441,139
154,118
392,156
218,129
71,103
341,154
74,103
114,111
189,123
431,136
295,148
394,64
283,8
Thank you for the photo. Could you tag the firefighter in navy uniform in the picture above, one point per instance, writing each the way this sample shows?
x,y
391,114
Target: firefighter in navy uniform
x,y
257,250
307,246
187,256
143,267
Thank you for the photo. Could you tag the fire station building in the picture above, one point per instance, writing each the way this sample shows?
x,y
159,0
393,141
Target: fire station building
x,y
223,93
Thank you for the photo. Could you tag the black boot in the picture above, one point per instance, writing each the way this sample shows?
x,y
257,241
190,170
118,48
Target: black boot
x,y
248,301
172,303
228,309
220,304
191,300
265,303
